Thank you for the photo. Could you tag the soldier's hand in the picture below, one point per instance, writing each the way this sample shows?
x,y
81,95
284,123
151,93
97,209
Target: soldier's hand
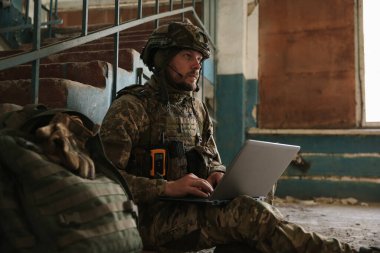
x,y
215,177
189,184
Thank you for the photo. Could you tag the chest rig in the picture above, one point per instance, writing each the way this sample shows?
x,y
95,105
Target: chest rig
x,y
174,127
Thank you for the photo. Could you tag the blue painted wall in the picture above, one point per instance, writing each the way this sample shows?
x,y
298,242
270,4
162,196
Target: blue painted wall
x,y
230,114
235,99
251,101
337,165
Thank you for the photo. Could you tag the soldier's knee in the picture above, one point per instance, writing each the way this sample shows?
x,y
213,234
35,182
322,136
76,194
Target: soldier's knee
x,y
253,208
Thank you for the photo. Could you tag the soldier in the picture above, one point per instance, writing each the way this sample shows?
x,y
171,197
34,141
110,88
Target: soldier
x,y
163,122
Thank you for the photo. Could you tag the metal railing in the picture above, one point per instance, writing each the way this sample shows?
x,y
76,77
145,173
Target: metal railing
x,y
39,52
51,12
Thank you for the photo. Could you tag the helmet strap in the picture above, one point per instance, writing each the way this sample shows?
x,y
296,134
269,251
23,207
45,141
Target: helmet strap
x,y
165,56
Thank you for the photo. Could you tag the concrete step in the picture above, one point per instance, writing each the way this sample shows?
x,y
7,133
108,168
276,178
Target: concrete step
x,y
136,45
52,92
92,73
76,30
89,91
74,55
125,57
58,93
123,37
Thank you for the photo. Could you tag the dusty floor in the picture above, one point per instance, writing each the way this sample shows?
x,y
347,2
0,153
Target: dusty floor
x,y
357,224
345,219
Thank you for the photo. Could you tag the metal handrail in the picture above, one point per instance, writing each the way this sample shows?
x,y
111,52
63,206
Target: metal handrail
x,y
12,61
37,53
20,27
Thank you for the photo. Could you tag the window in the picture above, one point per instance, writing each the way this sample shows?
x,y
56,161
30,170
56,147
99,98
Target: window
x,y
371,44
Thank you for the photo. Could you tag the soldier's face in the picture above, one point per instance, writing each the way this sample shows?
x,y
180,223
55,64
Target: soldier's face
x,y
184,68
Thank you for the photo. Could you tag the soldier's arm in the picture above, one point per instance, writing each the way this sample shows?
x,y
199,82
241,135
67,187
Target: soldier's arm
x,y
215,163
121,127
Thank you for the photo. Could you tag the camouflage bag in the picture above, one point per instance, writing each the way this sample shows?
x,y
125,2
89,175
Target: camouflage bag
x,y
76,203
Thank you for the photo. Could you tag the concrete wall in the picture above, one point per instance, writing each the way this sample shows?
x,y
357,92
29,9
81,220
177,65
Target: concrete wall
x,y
307,64
230,84
300,86
236,89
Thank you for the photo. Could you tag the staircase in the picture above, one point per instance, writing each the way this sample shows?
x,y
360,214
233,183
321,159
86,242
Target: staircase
x,y
79,78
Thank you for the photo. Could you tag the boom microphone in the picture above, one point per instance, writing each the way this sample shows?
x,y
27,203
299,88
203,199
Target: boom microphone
x,y
175,71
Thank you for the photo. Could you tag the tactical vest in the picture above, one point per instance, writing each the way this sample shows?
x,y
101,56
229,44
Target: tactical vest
x,y
175,126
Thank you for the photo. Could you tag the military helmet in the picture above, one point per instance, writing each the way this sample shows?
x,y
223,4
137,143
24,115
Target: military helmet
x,y
175,35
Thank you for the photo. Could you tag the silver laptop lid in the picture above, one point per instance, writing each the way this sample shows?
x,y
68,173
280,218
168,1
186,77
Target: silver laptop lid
x,y
255,169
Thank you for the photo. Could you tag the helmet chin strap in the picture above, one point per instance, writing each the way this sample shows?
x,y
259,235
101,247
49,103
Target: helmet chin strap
x,y
162,91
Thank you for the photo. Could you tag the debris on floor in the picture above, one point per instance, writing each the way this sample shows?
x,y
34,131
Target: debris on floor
x,y
319,200
349,220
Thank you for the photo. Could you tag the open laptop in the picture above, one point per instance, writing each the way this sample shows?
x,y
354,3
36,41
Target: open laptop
x,y
254,170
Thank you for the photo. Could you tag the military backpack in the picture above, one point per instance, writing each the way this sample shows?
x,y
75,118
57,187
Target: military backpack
x,y
46,207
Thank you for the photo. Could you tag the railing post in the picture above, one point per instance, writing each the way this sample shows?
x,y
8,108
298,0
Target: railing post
x,y
203,11
183,6
157,22
171,5
56,9
26,11
85,18
116,51
36,47
50,18
139,9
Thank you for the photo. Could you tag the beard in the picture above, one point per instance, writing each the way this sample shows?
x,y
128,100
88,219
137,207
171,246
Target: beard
x,y
182,84
185,86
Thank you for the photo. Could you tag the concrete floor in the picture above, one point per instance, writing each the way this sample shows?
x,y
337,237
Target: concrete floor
x,y
348,220
358,224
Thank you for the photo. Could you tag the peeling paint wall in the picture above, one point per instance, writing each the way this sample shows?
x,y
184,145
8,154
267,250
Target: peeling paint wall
x,y
305,93
331,163
307,64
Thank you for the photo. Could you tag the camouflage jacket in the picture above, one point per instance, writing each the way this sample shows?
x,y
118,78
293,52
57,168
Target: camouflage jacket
x,y
138,119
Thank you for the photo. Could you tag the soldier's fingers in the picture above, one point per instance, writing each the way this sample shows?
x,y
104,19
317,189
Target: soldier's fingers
x,y
203,185
198,192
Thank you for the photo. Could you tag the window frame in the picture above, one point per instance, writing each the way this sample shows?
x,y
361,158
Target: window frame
x,y
360,63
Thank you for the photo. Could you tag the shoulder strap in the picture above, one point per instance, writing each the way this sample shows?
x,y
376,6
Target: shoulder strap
x,y
95,146
134,89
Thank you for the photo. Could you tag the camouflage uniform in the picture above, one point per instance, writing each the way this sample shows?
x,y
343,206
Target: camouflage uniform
x,y
140,118
137,120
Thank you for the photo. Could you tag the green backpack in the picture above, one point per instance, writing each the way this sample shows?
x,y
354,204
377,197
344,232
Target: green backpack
x,y
44,207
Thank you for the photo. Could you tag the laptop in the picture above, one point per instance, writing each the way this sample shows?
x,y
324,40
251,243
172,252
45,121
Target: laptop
x,y
254,170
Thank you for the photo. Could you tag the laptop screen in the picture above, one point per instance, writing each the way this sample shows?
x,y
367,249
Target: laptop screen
x,y
255,169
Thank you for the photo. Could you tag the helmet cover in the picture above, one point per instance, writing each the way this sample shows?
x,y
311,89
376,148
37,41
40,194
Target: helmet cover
x,y
175,35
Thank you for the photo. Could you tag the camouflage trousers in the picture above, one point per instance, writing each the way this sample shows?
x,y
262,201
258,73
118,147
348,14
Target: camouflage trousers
x,y
185,227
